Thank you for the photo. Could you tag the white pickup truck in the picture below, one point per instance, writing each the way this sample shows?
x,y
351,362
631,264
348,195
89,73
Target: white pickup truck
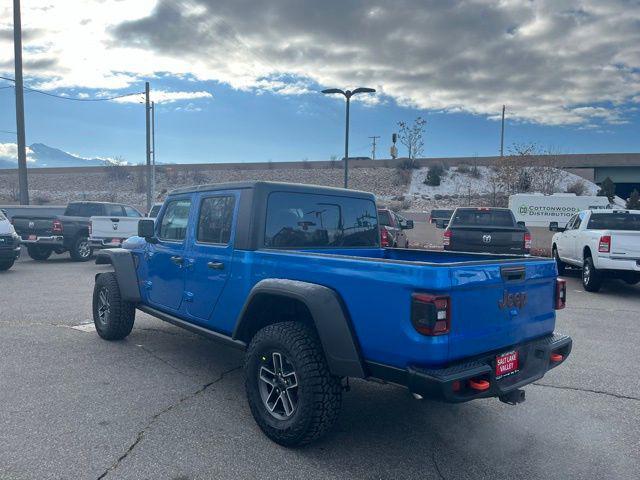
x,y
109,232
604,243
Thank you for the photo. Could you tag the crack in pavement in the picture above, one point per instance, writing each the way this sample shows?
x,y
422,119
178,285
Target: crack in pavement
x,y
578,389
149,424
435,464
166,362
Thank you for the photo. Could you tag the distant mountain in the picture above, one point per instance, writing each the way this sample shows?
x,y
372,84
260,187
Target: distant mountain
x,y
46,156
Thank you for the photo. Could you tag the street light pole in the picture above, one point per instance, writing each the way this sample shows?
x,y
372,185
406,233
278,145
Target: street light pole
x,y
22,149
347,94
147,108
502,134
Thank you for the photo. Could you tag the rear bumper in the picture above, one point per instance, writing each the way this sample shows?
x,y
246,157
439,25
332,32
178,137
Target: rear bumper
x,y
54,240
451,383
608,263
104,243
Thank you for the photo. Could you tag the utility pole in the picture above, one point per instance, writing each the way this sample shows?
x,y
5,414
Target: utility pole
x,y
148,124
346,145
373,146
22,148
502,134
153,150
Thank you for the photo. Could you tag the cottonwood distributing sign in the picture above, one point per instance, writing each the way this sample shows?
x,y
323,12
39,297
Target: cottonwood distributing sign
x,y
539,210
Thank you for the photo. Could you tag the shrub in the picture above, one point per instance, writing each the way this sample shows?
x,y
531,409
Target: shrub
x,y
434,175
463,168
633,203
116,172
578,187
407,164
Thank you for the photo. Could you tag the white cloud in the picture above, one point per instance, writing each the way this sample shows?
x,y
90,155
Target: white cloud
x,y
552,62
164,96
9,151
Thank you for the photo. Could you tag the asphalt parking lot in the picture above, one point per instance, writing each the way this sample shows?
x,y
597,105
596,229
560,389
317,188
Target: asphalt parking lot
x,y
167,404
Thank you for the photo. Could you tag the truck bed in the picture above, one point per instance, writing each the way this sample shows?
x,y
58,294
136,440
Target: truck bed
x,y
377,281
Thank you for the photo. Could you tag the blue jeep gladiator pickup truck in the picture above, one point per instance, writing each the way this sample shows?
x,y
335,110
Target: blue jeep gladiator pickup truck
x,y
295,276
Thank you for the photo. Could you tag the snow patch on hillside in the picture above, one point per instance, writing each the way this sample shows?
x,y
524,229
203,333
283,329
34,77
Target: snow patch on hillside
x,y
454,182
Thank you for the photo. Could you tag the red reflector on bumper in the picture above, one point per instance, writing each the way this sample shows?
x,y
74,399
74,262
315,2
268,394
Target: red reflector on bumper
x,y
480,385
556,357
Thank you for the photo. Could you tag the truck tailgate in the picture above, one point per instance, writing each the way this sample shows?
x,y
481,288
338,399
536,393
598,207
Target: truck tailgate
x,y
494,306
625,244
114,227
487,239
39,226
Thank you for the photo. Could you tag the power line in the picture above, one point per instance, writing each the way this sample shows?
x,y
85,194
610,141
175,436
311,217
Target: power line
x,y
75,99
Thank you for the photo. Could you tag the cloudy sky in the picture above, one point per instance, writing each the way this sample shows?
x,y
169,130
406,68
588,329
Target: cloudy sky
x,y
238,80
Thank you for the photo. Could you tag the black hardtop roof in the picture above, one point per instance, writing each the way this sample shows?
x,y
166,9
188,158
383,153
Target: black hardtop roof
x,y
273,187
77,202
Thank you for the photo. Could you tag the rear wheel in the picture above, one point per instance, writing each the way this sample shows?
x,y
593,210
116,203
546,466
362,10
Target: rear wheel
x,y
81,249
39,252
591,278
631,278
112,316
293,396
559,263
6,264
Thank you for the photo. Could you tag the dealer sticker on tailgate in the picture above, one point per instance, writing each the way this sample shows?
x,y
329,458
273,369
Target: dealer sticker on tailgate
x,y
506,364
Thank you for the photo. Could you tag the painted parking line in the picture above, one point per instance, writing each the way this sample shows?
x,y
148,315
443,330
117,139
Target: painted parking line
x,y
85,327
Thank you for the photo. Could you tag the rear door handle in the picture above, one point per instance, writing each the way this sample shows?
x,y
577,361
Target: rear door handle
x,y
177,260
215,265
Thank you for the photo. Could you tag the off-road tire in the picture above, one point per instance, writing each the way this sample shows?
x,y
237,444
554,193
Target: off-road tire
x,y
116,323
591,278
559,263
39,253
78,250
319,395
6,265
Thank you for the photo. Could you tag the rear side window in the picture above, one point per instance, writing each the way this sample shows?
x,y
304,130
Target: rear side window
x,y
84,210
131,212
215,219
173,226
298,220
494,218
614,221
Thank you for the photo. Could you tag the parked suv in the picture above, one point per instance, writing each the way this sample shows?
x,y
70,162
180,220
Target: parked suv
x,y
44,234
294,275
9,243
392,229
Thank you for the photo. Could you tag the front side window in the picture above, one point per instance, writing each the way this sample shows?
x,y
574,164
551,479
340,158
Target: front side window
x,y
215,219
305,220
173,226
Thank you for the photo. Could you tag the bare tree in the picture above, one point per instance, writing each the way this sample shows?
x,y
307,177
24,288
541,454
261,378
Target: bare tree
x,y
412,137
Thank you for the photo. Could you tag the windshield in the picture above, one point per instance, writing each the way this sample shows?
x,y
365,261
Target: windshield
x,y
473,217
614,221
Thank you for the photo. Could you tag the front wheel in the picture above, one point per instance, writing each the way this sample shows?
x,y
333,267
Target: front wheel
x,y
591,278
81,249
39,252
112,316
293,396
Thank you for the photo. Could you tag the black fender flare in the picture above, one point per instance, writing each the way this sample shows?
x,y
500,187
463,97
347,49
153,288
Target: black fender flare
x,y
329,316
125,270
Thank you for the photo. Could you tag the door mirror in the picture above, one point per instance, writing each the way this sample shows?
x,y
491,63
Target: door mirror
x,y
147,230
553,227
407,225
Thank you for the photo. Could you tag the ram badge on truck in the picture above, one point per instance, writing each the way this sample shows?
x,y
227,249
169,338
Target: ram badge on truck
x,y
295,276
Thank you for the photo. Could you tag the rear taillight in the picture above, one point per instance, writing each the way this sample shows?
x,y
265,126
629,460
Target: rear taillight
x,y
604,246
446,238
527,241
384,237
431,314
57,226
561,293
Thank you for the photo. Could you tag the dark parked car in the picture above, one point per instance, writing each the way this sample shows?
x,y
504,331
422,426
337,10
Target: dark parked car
x,y
490,230
440,217
45,234
392,227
